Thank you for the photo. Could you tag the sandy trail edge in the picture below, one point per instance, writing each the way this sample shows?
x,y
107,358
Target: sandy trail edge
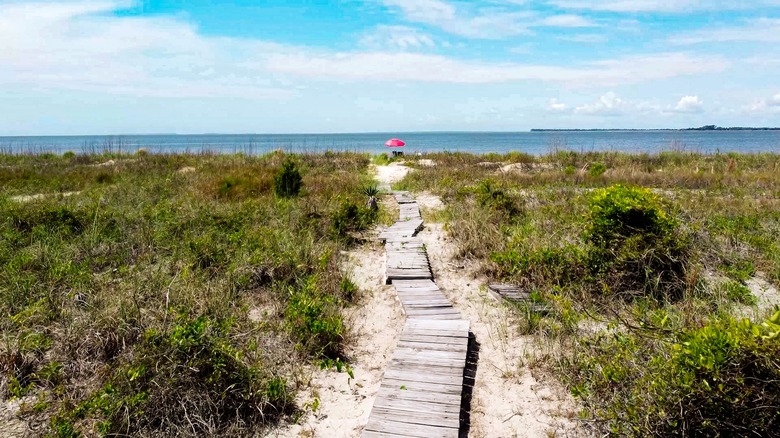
x,y
508,400
375,326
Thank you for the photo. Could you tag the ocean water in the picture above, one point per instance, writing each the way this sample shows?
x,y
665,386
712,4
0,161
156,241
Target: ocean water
x,y
536,143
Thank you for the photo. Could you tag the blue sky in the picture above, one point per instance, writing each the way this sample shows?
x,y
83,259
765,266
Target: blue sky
x,y
121,67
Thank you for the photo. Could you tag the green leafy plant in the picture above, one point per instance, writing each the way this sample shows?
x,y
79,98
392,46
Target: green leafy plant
x,y
288,181
596,169
718,380
371,192
490,195
637,245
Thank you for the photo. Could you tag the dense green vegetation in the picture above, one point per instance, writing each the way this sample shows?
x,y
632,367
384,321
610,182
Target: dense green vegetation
x,y
641,263
172,294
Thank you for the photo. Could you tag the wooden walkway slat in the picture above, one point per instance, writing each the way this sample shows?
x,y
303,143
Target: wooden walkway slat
x,y
422,388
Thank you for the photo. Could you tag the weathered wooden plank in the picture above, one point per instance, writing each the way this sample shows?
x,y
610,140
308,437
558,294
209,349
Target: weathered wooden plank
x,y
422,313
508,292
449,346
410,430
423,369
430,308
407,385
444,419
407,405
412,353
462,325
426,396
427,337
423,376
417,300
415,283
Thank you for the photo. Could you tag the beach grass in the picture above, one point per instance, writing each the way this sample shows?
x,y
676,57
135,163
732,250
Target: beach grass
x,y
153,294
642,264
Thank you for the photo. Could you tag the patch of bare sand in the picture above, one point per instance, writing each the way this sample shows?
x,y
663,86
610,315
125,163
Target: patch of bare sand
x,y
428,201
185,170
767,296
508,400
375,325
391,173
10,424
28,198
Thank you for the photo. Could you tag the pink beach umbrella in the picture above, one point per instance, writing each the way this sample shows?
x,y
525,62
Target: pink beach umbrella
x,y
395,143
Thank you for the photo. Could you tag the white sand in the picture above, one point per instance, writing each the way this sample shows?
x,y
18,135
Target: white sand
x,y
28,198
767,295
10,424
390,174
185,170
508,400
427,201
376,323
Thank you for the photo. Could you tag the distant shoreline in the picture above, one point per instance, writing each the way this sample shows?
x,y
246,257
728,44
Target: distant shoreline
x,y
702,128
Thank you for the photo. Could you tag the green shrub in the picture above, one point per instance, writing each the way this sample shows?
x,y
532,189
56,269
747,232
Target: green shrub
x,y
193,370
227,186
718,380
288,181
637,245
597,169
314,321
104,178
351,218
496,198
382,159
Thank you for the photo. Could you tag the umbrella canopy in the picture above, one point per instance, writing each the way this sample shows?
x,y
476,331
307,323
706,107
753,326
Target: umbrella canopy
x,y
394,143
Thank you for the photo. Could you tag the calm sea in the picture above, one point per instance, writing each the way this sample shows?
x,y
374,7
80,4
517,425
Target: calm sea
x,y
477,142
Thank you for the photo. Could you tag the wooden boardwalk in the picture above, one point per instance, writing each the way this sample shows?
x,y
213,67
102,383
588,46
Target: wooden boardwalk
x,y
421,394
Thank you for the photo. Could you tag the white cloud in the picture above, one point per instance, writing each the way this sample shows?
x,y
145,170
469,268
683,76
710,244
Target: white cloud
x,y
668,6
584,38
763,30
82,47
556,106
485,23
566,20
78,46
397,37
425,11
382,66
607,105
771,104
689,104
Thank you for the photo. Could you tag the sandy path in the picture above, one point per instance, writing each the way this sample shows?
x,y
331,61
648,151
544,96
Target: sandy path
x,y
390,174
376,322
508,400
375,326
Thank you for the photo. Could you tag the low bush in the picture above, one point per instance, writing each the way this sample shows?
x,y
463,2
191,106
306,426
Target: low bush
x,y
191,377
490,195
314,320
722,379
351,218
288,181
596,170
636,244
